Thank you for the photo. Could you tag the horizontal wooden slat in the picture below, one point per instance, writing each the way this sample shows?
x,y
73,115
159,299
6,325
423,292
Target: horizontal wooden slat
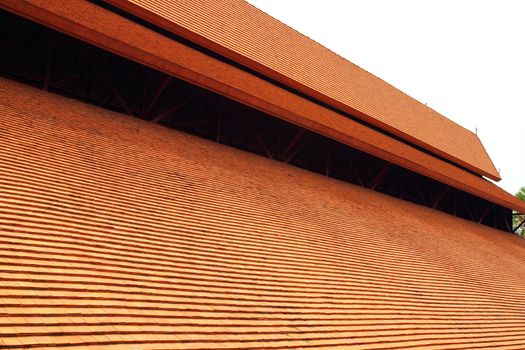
x,y
118,233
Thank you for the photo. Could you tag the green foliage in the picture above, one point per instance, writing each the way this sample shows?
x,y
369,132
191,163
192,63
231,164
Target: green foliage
x,y
517,219
521,194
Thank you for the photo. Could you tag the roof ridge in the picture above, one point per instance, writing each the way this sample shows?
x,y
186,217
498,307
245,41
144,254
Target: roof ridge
x,y
357,65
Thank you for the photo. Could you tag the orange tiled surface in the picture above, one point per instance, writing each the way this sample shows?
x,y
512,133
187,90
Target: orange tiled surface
x,y
242,32
121,234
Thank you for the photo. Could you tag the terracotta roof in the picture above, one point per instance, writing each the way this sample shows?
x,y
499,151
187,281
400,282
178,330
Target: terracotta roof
x,y
247,35
118,233
94,24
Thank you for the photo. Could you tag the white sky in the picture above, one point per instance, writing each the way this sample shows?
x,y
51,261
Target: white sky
x,y
464,58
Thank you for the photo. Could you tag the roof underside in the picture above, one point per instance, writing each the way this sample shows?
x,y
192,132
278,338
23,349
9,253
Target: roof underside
x,y
241,32
119,233
96,25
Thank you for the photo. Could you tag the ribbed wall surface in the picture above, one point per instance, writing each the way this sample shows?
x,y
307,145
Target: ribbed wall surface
x,y
120,234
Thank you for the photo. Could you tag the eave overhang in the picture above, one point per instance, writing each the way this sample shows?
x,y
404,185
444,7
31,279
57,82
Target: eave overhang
x,y
121,36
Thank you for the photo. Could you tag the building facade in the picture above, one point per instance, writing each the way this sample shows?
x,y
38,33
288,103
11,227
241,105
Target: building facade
x,y
198,175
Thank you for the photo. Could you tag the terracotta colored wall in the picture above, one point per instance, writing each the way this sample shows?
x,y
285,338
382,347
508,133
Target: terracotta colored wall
x,y
118,233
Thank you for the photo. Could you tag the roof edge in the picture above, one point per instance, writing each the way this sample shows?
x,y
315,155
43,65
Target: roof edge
x,y
166,24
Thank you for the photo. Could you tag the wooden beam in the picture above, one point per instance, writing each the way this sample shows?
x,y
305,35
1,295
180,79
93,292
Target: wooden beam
x,y
327,169
95,68
157,95
440,197
144,93
117,95
72,77
296,152
380,176
509,228
89,84
468,207
419,190
455,203
354,171
79,82
279,139
219,128
292,143
177,106
49,61
486,212
258,137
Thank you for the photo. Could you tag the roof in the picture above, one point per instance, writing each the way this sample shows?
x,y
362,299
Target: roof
x,y
242,32
98,26
118,233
